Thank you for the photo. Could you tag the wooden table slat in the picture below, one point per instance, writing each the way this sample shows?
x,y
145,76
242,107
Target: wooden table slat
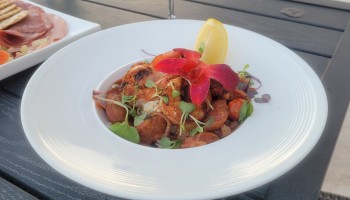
x,y
9,191
326,3
273,9
107,17
294,35
338,72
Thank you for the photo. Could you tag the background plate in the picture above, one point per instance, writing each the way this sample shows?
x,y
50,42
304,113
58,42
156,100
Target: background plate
x,y
77,28
62,125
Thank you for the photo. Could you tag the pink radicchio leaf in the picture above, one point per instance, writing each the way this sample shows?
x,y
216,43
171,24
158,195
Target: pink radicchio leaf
x,y
199,90
170,65
222,73
192,58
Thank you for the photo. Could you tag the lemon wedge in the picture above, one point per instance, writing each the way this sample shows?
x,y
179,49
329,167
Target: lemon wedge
x,y
212,42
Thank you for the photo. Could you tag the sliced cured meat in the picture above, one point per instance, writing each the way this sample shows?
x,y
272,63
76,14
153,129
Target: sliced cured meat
x,y
35,22
27,6
36,25
58,31
12,38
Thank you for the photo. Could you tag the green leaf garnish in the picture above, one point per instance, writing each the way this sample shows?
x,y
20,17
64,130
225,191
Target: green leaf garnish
x,y
246,66
209,122
150,83
244,72
246,111
201,47
175,93
166,143
165,99
196,130
250,109
187,107
128,98
138,119
132,112
125,131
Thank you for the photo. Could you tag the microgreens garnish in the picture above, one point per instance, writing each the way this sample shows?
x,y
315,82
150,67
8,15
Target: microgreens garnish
x,y
186,109
209,122
151,84
175,93
201,47
123,129
138,119
166,143
200,125
242,74
245,111
129,99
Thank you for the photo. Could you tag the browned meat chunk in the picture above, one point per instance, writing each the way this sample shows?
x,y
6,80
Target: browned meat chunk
x,y
199,140
219,114
152,129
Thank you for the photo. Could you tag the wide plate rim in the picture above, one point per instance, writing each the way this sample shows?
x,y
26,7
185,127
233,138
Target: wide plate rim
x,y
283,167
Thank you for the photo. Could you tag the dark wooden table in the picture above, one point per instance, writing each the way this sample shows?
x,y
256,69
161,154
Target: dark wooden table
x,y
317,30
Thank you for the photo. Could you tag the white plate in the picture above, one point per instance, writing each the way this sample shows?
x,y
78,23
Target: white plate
x,y
77,28
61,123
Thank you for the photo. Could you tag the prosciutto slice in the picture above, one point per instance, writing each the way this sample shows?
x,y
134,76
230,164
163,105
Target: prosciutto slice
x,y
58,31
36,25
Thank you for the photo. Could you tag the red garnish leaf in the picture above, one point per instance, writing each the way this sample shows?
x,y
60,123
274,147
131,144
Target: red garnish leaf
x,y
199,90
222,73
170,54
194,56
170,65
196,72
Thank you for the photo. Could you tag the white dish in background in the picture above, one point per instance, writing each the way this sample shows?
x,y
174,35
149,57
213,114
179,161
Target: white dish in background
x,y
77,28
61,123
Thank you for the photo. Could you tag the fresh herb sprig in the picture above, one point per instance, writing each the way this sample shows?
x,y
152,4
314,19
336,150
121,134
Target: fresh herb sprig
x,y
246,111
151,84
200,125
242,74
166,143
123,129
138,119
201,47
186,109
174,93
129,99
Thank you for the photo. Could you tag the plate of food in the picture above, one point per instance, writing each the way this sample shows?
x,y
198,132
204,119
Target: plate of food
x,y
149,118
30,33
